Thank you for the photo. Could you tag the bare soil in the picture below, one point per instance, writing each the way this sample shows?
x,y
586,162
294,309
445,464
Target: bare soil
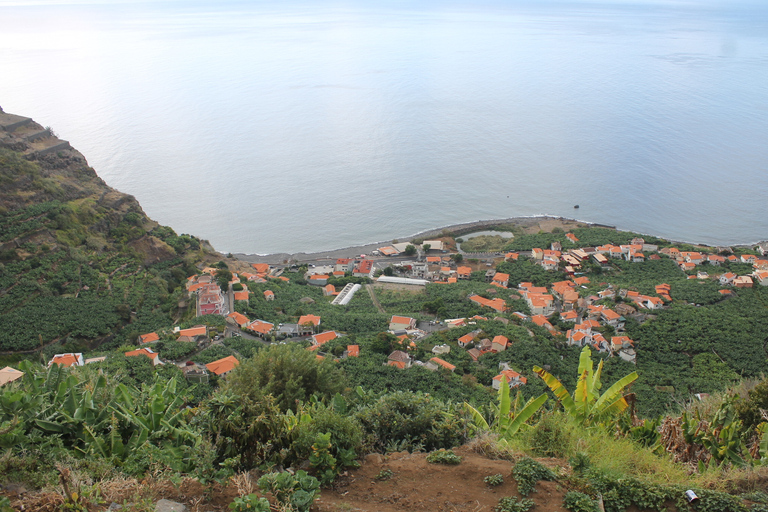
x,y
418,485
415,485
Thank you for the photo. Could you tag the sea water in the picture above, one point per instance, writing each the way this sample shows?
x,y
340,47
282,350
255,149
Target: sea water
x,y
272,126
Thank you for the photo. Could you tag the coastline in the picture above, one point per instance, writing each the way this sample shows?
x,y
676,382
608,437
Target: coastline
x,y
535,223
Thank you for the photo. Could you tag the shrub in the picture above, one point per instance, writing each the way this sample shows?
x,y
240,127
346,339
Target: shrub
x,y
295,491
551,437
413,422
443,457
579,502
510,504
384,474
494,480
527,472
250,502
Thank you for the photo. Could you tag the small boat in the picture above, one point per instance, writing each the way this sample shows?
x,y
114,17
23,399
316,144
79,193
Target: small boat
x,y
576,206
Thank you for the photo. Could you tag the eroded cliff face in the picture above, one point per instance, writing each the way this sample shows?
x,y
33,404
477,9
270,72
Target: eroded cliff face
x,y
51,197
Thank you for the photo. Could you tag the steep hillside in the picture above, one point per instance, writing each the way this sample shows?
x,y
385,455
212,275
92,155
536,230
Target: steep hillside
x,y
79,261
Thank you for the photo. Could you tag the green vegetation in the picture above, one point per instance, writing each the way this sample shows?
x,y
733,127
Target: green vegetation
x,y
494,480
527,472
443,457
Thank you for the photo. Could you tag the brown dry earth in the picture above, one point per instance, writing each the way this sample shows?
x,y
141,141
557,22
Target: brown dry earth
x,y
417,485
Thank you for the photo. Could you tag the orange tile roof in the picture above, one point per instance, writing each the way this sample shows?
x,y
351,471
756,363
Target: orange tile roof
x,y
261,268
353,350
239,318
241,295
223,366
141,352
150,337
443,363
70,359
269,293
198,330
398,364
511,375
500,340
260,326
401,320
309,319
324,337
467,338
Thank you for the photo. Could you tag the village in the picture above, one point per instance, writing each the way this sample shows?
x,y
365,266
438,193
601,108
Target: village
x,y
594,319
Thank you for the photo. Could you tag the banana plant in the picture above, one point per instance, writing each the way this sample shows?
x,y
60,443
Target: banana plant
x,y
509,416
587,405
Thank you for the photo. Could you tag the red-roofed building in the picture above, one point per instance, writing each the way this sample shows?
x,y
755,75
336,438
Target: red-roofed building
x,y
440,362
193,332
148,338
308,324
323,337
495,304
353,350
145,352
239,319
513,378
223,366
499,343
269,295
363,269
68,359
242,295
260,327
398,323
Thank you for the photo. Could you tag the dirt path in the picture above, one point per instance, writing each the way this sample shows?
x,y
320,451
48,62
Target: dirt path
x,y
375,300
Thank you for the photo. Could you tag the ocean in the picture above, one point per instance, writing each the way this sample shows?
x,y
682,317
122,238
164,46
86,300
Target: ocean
x,y
268,126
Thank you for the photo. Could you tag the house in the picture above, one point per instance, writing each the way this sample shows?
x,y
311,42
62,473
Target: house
x,y
353,350
743,282
363,269
620,342
148,352
715,259
9,374
261,268
569,316
222,367
467,339
614,319
474,353
399,323
242,295
388,251
549,264
441,349
194,372
343,265
238,319
762,277
318,279
727,278
323,337
308,324
193,333
464,272
500,279
499,343
149,337
571,237
537,254
542,321
513,379
495,304
399,359
288,330
600,259
329,290
511,256
260,327
437,362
